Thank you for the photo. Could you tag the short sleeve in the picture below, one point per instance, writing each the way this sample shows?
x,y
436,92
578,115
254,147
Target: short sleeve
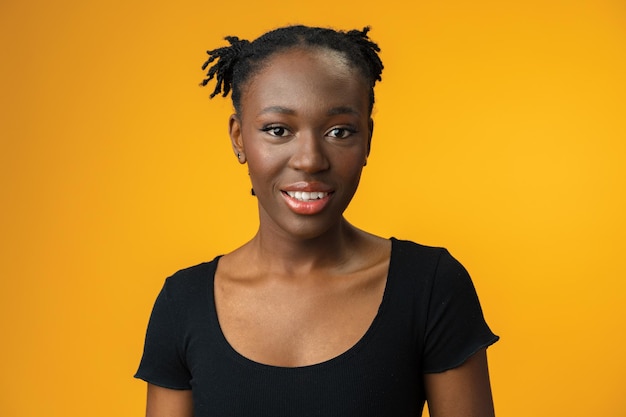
x,y
163,361
456,328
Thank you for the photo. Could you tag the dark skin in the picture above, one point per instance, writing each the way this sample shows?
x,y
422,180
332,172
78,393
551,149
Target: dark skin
x,y
312,281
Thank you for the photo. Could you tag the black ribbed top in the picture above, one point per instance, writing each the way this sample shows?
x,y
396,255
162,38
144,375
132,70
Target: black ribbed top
x,y
429,320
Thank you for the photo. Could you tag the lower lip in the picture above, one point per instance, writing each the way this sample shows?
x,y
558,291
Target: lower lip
x,y
306,207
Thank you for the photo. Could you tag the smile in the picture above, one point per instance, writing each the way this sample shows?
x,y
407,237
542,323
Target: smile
x,y
307,202
306,195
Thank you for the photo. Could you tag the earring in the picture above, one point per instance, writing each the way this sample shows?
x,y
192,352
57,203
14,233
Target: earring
x,y
238,155
252,192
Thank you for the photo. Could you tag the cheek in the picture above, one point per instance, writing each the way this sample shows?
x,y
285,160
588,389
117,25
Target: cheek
x,y
350,160
347,173
264,166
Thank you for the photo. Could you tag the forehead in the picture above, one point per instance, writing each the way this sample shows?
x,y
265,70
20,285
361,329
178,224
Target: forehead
x,y
298,77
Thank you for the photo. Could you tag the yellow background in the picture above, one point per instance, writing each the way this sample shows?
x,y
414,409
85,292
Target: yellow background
x,y
500,134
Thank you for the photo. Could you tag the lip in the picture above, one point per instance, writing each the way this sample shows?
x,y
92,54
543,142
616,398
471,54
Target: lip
x,y
309,207
314,186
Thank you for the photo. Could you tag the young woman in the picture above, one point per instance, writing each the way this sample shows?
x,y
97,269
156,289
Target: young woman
x,y
313,316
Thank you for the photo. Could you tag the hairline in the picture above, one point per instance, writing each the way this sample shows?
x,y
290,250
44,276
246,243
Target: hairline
x,y
262,63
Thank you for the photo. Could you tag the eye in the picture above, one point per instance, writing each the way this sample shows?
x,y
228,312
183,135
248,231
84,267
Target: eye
x,y
277,131
340,132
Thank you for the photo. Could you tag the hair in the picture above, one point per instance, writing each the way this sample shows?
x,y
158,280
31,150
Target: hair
x,y
236,64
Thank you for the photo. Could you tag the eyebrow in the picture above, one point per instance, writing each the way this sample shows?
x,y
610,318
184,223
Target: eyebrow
x,y
342,110
332,112
277,109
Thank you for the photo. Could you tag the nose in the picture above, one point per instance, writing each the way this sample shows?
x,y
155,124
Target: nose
x,y
308,153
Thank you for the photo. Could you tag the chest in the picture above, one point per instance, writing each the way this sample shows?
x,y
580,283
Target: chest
x,y
369,369
298,323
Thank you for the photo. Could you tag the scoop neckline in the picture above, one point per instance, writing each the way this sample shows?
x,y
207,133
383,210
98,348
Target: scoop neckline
x,y
225,345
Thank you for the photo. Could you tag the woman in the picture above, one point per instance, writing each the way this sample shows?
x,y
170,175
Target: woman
x,y
313,317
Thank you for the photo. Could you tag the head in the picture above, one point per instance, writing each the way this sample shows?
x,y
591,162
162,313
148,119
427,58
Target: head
x,y
240,61
303,99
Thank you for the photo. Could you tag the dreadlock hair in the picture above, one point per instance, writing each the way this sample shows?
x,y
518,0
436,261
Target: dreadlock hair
x,y
234,65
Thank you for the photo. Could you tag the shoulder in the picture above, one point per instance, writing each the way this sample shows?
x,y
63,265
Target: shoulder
x,y
191,272
408,254
185,293
429,267
191,279
412,248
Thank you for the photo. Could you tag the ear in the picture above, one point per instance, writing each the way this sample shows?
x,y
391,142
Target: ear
x,y
369,140
236,137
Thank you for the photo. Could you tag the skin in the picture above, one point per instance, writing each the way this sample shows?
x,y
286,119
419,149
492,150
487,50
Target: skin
x,y
312,281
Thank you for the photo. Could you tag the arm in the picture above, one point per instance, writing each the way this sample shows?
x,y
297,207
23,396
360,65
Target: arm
x,y
165,402
461,392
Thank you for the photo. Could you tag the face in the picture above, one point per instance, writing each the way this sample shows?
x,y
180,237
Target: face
x,y
304,131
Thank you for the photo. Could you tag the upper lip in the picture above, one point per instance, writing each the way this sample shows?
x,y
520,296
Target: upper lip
x,y
313,186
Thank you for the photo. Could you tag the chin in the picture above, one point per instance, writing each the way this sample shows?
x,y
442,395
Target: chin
x,y
310,229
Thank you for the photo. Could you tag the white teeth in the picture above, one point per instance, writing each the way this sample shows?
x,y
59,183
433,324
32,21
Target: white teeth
x,y
305,195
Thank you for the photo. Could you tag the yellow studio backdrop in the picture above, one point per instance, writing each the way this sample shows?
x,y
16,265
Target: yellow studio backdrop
x,y
500,134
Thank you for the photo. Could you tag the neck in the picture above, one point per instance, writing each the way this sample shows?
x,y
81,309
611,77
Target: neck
x,y
282,254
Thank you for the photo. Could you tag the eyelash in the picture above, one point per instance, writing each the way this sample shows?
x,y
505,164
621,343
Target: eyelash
x,y
271,130
347,132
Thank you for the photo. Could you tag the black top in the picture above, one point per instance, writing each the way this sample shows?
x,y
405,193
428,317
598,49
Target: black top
x,y
429,321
